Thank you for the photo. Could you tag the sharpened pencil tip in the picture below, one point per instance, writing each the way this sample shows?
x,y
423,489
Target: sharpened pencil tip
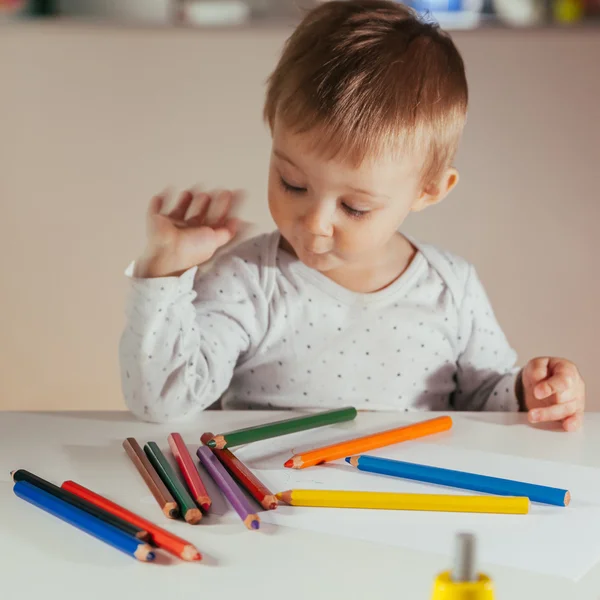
x,y
285,496
348,459
191,553
288,464
211,443
255,525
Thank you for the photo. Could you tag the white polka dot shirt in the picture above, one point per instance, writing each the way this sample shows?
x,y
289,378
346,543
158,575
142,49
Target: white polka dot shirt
x,y
259,329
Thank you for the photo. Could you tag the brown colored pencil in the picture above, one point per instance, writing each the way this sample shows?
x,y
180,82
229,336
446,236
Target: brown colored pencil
x,y
244,475
187,507
151,478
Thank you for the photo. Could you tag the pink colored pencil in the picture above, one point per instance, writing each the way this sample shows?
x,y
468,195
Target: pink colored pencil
x,y
189,471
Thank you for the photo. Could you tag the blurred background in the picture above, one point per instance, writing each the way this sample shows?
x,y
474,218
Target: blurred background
x,y
105,102
455,14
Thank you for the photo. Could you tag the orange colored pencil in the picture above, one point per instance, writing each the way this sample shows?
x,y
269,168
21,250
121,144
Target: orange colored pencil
x,y
368,442
244,475
161,537
189,471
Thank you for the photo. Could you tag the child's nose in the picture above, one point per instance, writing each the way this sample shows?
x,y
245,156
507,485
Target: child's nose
x,y
318,220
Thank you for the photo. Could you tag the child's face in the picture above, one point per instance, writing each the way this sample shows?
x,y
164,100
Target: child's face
x,y
333,215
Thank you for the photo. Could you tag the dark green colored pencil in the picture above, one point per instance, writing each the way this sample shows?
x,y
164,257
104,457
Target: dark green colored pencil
x,y
190,512
271,430
88,507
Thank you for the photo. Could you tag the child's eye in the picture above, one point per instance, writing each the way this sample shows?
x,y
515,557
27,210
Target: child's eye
x,y
291,188
353,212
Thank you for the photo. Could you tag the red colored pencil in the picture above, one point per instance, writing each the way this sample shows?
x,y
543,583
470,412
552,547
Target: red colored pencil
x,y
161,537
244,475
189,471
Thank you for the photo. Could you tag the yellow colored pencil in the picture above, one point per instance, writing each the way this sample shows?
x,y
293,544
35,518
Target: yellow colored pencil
x,y
396,501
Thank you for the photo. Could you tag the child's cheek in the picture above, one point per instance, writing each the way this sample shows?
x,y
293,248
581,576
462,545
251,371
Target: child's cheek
x,y
282,214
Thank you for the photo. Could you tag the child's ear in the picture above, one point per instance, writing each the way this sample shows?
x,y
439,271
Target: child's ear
x,y
436,192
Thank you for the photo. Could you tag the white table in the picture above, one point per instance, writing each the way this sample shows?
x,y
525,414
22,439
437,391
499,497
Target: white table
x,y
40,557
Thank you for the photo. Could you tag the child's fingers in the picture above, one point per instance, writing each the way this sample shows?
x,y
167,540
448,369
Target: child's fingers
x,y
219,208
560,381
155,205
181,206
573,422
230,209
237,198
538,367
228,231
556,412
537,370
197,210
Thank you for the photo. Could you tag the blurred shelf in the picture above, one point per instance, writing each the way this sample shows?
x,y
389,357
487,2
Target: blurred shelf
x,y
451,23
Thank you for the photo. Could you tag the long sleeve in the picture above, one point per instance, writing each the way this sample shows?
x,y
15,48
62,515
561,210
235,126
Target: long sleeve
x,y
184,336
486,374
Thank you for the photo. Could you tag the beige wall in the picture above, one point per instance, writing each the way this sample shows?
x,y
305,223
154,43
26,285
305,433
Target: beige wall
x,y
93,121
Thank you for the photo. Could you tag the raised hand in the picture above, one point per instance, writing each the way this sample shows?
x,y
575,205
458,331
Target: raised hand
x,y
188,234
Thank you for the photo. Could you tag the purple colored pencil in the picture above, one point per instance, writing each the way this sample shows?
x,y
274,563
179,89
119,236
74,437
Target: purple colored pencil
x,y
229,487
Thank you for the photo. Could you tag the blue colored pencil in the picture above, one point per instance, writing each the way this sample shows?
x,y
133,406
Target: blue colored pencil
x,y
82,520
461,480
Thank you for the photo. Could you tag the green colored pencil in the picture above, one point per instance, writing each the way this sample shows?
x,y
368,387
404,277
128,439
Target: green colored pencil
x,y
270,430
191,513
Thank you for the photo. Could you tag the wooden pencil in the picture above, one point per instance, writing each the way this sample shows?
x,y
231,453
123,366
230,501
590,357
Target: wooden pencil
x,y
160,537
151,478
244,476
84,521
460,479
229,487
368,442
396,501
285,427
99,513
187,507
189,471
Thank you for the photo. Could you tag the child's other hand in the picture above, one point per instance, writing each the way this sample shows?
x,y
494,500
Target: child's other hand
x,y
187,234
554,391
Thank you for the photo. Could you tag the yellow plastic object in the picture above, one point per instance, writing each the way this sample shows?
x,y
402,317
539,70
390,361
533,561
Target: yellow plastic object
x,y
568,11
446,589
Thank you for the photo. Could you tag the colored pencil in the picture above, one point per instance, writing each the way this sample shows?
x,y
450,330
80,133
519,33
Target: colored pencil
x,y
189,471
50,488
271,430
151,478
84,521
368,442
160,537
395,501
229,487
462,480
244,476
187,507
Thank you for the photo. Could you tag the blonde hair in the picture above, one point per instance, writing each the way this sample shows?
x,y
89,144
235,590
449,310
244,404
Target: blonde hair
x,y
371,76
